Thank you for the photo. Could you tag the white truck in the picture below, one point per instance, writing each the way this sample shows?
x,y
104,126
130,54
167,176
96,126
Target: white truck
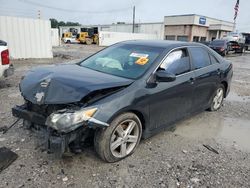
x,y
70,40
236,42
6,68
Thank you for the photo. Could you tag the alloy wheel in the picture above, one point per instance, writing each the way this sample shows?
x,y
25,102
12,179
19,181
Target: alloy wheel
x,y
218,98
124,138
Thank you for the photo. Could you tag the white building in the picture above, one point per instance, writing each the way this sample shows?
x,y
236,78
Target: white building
x,y
27,38
192,27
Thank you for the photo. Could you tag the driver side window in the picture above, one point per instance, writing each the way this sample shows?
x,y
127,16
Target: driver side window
x,y
177,62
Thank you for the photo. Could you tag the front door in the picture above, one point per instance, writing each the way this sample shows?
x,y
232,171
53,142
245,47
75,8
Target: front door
x,y
171,101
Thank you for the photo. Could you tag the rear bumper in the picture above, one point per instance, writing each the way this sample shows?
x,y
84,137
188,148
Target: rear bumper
x,y
8,72
219,51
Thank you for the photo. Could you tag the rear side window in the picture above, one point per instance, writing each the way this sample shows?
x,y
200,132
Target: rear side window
x,y
200,57
177,62
213,59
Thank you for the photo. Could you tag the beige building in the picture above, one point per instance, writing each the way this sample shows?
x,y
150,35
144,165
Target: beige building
x,y
195,28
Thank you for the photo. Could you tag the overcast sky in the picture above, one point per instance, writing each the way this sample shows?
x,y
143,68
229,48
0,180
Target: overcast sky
x,y
112,11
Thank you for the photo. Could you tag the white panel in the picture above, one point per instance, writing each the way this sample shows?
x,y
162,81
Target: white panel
x,y
155,29
108,38
55,37
26,38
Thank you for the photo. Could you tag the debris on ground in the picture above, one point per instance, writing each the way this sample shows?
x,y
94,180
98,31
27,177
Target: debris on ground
x,y
65,179
3,129
211,149
195,180
62,56
6,158
184,151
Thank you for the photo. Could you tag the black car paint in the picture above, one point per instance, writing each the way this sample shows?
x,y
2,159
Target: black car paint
x,y
145,100
157,104
221,49
67,83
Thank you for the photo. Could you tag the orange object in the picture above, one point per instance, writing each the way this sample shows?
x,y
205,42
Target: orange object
x,y
142,61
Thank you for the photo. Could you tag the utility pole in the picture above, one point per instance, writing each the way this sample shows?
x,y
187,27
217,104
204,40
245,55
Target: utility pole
x,y
39,14
133,30
234,25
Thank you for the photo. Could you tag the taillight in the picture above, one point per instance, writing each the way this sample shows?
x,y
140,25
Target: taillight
x,y
5,57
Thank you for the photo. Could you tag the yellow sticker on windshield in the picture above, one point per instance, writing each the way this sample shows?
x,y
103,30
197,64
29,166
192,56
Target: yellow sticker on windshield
x,y
142,61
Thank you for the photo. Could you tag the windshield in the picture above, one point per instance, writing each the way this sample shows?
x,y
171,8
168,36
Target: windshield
x,y
124,60
218,42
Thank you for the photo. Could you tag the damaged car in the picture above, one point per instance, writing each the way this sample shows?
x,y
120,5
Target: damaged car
x,y
128,91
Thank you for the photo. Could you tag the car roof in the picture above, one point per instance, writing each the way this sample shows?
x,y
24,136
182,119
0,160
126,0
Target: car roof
x,y
161,43
219,40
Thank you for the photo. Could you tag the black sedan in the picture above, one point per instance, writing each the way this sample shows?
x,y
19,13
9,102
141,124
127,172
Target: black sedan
x,y
126,92
220,46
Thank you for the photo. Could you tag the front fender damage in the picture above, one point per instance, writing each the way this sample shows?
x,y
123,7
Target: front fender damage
x,y
56,141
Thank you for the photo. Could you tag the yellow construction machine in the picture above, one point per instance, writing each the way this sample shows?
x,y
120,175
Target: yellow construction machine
x,y
88,36
67,35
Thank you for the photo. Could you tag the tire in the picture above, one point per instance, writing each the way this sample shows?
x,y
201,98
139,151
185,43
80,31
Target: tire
x,y
224,53
227,51
89,41
217,99
244,49
27,124
116,135
68,42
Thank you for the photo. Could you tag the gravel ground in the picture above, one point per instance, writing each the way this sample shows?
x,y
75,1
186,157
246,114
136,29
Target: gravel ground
x,y
175,158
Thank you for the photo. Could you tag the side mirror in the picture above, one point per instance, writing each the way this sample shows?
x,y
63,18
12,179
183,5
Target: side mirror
x,y
163,76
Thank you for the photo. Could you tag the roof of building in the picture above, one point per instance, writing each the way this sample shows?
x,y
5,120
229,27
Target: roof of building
x,y
199,16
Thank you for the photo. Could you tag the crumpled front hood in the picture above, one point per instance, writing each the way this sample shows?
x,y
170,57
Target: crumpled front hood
x,y
62,84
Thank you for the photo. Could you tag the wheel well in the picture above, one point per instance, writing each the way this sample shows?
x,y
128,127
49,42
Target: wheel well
x,y
226,86
137,113
140,116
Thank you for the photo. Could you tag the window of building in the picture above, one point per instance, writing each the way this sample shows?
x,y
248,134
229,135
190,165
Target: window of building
x,y
200,57
177,62
170,37
196,39
182,38
203,39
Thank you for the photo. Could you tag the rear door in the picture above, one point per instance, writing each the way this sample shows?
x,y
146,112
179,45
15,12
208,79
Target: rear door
x,y
207,76
170,101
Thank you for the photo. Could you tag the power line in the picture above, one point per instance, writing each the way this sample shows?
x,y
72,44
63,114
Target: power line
x,y
71,10
16,14
11,10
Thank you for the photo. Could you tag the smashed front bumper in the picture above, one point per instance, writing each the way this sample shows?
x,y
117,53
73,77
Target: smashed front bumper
x,y
56,142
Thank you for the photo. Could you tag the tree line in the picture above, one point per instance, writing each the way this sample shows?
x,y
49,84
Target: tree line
x,y
55,23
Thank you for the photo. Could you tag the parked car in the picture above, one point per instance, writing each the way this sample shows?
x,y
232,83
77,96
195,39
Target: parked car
x,y
220,46
6,68
207,43
128,91
70,40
